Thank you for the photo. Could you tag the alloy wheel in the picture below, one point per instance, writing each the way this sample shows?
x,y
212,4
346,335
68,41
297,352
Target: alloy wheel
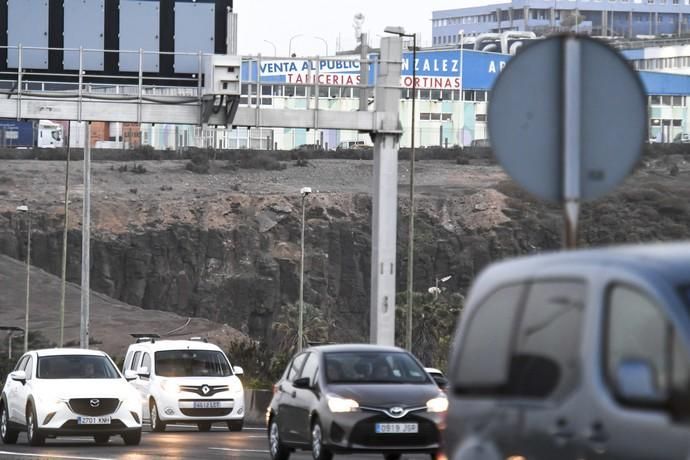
x,y
3,423
274,439
316,441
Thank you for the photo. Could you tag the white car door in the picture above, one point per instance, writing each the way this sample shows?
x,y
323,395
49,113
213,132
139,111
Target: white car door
x,y
23,391
13,393
143,383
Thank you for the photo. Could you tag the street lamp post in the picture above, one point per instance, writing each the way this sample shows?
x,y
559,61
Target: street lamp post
x,y
275,50
462,87
305,191
325,42
290,43
410,245
25,209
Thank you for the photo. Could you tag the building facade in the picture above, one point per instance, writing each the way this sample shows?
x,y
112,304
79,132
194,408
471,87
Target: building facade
x,y
621,18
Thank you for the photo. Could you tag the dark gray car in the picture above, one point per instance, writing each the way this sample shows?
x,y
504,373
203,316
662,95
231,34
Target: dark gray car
x,y
575,355
355,398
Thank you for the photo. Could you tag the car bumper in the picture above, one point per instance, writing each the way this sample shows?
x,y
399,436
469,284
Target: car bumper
x,y
181,408
355,432
62,419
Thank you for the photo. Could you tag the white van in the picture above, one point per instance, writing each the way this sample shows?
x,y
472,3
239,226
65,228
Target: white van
x,y
185,381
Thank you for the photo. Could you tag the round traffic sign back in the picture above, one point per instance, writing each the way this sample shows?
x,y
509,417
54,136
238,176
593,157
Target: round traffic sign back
x,y
526,118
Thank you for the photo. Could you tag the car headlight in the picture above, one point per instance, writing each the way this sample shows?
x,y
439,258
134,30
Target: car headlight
x,y
235,386
337,404
170,386
437,404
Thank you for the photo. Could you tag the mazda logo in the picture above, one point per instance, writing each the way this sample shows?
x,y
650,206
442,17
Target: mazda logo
x,y
205,389
95,402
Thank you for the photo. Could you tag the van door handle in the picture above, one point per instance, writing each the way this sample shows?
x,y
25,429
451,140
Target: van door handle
x,y
597,435
562,432
294,394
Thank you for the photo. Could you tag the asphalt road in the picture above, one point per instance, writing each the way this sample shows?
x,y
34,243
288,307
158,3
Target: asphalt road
x,y
178,442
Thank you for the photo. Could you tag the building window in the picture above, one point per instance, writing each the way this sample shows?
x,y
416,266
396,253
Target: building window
x,y
480,117
449,117
425,116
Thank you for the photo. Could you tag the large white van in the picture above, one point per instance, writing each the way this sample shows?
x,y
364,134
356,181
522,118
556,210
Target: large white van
x,y
186,381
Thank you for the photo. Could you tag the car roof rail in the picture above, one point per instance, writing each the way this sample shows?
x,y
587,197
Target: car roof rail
x,y
149,337
199,339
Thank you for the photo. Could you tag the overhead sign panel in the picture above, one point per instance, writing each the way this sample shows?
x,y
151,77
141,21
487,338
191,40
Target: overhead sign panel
x,y
27,25
84,27
194,32
139,29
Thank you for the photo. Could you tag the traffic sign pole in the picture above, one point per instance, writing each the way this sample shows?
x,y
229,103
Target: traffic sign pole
x,y
572,155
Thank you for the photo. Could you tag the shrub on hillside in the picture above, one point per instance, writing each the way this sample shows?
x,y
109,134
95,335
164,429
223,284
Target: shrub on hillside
x,y
199,162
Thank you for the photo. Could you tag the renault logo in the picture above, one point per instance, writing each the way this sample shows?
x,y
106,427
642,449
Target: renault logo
x,y
95,402
205,389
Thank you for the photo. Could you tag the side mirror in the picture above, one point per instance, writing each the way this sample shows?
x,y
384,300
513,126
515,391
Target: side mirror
x,y
237,370
143,372
636,383
18,376
130,375
441,381
302,383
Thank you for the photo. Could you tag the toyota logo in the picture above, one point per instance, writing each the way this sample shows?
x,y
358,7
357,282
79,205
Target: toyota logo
x,y
95,402
396,412
205,389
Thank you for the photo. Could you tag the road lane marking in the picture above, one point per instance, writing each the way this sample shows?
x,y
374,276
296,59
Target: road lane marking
x,y
227,449
21,454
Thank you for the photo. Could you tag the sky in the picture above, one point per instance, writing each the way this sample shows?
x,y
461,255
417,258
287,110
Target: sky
x,y
331,20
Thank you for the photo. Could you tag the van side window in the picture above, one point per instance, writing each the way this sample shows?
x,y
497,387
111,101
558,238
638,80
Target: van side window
x,y
489,333
546,358
135,361
637,331
296,367
146,361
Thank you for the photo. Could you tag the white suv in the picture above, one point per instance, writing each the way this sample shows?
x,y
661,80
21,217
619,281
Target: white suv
x,y
183,381
68,392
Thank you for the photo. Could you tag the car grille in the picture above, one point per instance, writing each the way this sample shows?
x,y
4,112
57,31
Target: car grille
x,y
198,389
206,412
73,425
364,433
84,406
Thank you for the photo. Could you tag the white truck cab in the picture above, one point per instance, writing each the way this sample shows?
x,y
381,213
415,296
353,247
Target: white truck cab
x,y
185,381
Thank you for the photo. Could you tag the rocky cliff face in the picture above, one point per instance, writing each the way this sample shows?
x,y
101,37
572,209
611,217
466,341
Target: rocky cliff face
x,y
233,257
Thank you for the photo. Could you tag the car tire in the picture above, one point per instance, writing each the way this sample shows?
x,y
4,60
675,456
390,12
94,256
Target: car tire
x,y
132,438
318,450
277,450
7,433
33,434
101,438
157,425
204,426
235,425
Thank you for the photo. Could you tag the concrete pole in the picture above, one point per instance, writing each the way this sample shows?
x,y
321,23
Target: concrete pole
x,y
385,193
63,279
410,230
28,280
300,326
86,244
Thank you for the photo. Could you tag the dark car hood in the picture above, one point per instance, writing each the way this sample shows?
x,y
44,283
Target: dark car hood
x,y
387,395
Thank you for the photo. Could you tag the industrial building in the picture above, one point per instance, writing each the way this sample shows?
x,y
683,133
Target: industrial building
x,y
606,18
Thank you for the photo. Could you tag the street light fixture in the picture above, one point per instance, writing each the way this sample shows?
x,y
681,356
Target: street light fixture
x,y
435,290
25,209
290,43
10,335
305,191
325,42
397,30
275,50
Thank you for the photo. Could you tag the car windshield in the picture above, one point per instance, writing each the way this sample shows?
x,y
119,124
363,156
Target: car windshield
x,y
192,363
373,367
76,367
